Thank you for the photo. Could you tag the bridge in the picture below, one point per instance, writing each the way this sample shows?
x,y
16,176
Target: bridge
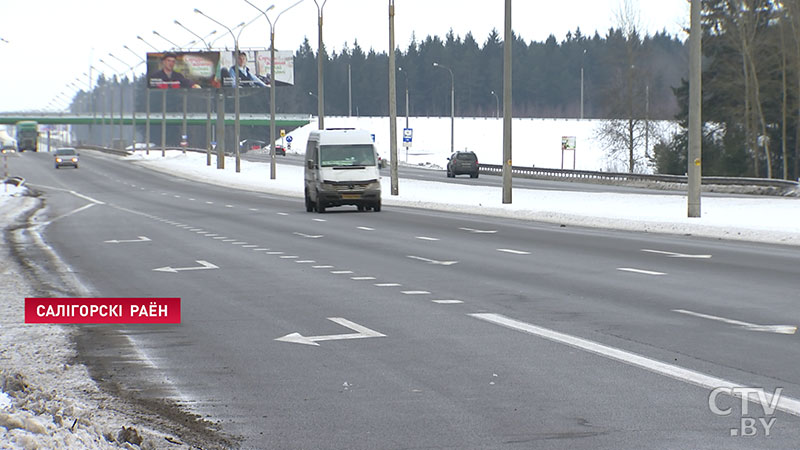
x,y
172,118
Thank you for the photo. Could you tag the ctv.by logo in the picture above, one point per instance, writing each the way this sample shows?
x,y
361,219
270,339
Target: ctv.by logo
x,y
749,426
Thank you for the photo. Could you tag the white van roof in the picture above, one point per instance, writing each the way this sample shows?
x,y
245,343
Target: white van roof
x,y
331,136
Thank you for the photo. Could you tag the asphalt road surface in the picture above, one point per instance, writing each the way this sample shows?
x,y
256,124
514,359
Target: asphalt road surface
x,y
417,329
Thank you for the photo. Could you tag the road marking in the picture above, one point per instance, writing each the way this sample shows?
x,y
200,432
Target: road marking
x,y
228,240
366,228
319,220
322,267
86,197
239,243
207,233
209,203
196,229
125,241
426,238
309,236
211,235
388,284
780,329
360,333
472,230
260,249
191,199
274,253
676,255
447,302
512,251
253,209
204,265
220,237
362,278
341,272
177,196
433,261
305,261
249,246
283,214
785,404
416,292
641,271
289,257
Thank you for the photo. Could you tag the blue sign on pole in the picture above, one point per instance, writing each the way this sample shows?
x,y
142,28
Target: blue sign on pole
x,y
408,134
289,139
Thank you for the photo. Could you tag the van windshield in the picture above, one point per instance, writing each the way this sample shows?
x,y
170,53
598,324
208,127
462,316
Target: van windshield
x,y
346,155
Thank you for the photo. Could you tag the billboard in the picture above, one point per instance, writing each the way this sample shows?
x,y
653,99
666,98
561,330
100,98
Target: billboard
x,y
174,70
254,68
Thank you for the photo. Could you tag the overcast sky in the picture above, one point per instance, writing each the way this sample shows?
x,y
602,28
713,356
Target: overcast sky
x,y
53,42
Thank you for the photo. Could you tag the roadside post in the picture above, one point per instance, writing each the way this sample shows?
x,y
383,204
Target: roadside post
x,y
408,135
568,144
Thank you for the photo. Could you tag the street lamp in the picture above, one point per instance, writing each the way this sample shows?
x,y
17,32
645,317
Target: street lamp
x,y
497,105
147,106
273,84
121,102
164,104
103,111
582,59
320,75
452,104
405,74
133,96
208,97
236,90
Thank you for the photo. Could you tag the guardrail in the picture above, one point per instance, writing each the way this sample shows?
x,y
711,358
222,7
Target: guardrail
x,y
773,186
16,181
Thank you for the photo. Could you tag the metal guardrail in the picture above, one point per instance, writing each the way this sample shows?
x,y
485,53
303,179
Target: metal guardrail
x,y
16,181
779,187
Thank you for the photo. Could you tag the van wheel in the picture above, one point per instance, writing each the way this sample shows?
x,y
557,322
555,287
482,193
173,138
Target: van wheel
x,y
377,206
309,204
361,208
473,175
320,204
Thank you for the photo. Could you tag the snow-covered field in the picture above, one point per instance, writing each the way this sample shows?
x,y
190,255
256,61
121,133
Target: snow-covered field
x,y
47,403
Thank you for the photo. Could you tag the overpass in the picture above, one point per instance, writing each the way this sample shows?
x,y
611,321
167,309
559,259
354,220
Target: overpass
x,y
174,118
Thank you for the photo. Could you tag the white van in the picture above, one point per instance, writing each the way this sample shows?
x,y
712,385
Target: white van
x,y
341,169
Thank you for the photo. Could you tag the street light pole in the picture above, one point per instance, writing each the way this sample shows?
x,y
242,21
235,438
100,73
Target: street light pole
x,y
452,105
694,171
273,84
496,105
582,61
320,83
121,102
236,126
133,97
405,74
147,101
508,40
392,102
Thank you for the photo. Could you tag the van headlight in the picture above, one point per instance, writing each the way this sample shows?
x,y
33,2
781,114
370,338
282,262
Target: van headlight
x,y
374,186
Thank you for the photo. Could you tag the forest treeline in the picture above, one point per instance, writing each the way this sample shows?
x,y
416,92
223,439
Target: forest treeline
x,y
751,86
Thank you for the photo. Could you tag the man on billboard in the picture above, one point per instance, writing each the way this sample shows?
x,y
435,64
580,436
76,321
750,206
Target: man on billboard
x,y
167,77
247,77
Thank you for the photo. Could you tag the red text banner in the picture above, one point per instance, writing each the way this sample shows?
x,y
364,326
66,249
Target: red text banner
x,y
103,310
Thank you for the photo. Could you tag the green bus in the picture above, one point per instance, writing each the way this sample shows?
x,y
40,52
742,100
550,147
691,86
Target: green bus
x,y
27,135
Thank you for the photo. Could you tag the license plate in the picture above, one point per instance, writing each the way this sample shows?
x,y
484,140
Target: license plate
x,y
351,196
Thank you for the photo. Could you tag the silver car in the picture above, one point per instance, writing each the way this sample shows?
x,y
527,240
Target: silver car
x,y
66,157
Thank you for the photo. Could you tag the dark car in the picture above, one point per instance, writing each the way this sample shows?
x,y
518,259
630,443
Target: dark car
x,y
462,163
66,157
280,150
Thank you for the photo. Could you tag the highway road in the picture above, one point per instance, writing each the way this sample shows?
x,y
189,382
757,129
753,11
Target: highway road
x,y
417,329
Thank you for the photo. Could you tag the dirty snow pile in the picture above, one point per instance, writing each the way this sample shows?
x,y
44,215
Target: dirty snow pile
x,y
45,401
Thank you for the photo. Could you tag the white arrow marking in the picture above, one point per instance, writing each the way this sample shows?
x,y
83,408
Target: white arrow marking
x,y
780,329
360,333
472,230
310,236
433,261
122,241
644,272
205,265
676,255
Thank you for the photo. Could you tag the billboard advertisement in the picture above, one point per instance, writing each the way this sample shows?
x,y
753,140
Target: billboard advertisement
x,y
175,70
254,68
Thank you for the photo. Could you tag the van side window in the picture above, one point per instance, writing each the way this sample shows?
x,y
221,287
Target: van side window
x,y
311,151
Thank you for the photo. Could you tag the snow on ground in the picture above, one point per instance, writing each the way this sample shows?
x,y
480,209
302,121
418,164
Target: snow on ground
x,y
762,219
47,403
535,142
